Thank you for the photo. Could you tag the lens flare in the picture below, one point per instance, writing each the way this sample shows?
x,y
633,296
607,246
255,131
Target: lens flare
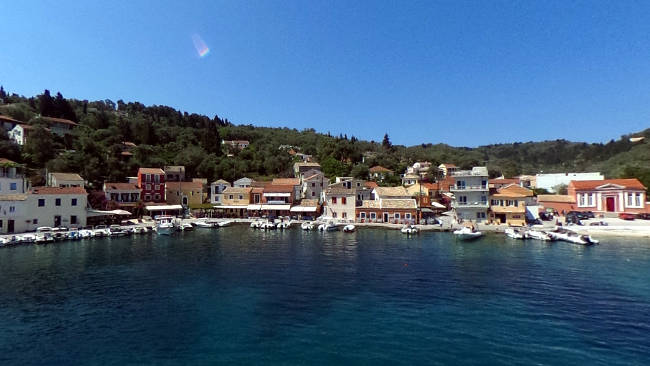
x,y
201,48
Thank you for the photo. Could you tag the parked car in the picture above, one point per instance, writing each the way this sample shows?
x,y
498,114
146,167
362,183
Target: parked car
x,y
588,214
598,223
572,218
545,216
626,216
643,216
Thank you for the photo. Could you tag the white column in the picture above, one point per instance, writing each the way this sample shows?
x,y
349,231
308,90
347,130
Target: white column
x,y
599,201
621,201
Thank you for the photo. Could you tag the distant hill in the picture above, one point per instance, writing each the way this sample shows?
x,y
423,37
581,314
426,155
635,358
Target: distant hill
x,y
166,136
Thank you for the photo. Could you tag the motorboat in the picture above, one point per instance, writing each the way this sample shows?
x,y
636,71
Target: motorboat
x,y
116,230
307,225
164,225
44,237
538,235
328,226
349,228
27,238
204,224
572,237
9,240
467,233
137,230
102,230
255,224
186,227
515,234
225,223
268,225
86,234
284,225
409,229
73,235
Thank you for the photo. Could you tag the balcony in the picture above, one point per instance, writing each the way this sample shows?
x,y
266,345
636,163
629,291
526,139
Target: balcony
x,y
468,188
478,204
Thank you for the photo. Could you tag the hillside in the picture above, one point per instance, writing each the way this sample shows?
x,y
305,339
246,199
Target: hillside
x,y
166,136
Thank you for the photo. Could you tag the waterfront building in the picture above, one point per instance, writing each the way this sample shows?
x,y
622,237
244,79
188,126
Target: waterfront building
x,y
390,193
123,194
152,184
308,209
387,210
313,185
471,193
556,202
20,132
216,191
340,200
293,182
550,181
508,205
57,206
235,201
64,180
609,195
244,182
498,183
174,173
187,194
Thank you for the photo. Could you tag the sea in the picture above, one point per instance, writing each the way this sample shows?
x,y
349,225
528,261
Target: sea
x,y
235,295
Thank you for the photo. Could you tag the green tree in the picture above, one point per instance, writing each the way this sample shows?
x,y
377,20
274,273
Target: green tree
x,y
39,147
360,171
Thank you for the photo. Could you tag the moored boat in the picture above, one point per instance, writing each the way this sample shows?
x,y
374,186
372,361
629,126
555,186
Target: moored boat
x,y
164,225
409,229
307,225
538,235
466,233
514,234
349,228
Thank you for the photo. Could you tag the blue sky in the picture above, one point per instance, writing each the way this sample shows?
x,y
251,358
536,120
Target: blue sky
x,y
465,73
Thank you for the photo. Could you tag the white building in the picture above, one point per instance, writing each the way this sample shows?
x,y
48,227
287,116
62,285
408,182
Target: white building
x,y
19,133
340,202
11,177
314,185
216,191
550,181
471,193
43,206
64,180
242,183
125,194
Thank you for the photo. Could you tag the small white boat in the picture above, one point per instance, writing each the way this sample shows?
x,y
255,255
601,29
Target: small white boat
x,y
467,234
138,230
572,237
255,224
409,229
164,225
27,238
86,234
268,225
43,238
514,234
204,224
102,230
186,227
538,235
73,235
9,240
349,228
328,226
225,223
284,225
116,230
307,225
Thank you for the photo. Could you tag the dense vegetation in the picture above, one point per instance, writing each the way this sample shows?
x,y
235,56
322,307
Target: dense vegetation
x,y
165,136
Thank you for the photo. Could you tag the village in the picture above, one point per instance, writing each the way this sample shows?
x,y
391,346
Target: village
x,y
455,198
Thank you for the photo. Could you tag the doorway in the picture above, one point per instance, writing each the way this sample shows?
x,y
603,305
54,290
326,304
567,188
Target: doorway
x,y
385,216
57,221
611,204
10,226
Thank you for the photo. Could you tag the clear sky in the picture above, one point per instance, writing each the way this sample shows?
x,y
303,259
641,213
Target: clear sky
x,y
466,73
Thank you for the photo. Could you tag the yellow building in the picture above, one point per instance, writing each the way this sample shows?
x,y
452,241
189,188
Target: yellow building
x,y
508,205
189,194
235,201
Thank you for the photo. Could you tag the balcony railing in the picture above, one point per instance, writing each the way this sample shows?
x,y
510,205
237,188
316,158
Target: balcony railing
x,y
468,188
478,204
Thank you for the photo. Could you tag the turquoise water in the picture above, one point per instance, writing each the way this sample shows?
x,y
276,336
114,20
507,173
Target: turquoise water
x,y
234,295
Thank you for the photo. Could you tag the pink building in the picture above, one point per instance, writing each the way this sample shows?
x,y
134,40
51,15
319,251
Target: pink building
x,y
609,195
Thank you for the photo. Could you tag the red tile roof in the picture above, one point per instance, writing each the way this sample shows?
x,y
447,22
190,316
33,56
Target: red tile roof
x,y
4,118
379,169
58,190
150,171
122,186
286,181
59,120
370,184
6,161
277,188
630,183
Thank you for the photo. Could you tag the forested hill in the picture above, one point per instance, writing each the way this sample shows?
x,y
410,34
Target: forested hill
x,y
166,136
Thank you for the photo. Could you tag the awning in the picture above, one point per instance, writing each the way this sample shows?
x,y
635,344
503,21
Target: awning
x,y
232,206
303,209
254,207
276,207
92,213
163,208
426,210
437,205
271,194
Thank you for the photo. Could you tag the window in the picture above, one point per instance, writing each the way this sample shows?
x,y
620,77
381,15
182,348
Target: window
x,y
13,186
334,214
516,203
460,184
35,221
241,197
581,199
408,216
638,199
462,200
397,217
333,200
231,196
12,208
484,184
313,193
313,184
483,199
41,202
157,178
480,215
373,216
57,202
147,197
73,220
345,215
157,197
591,198
344,200
148,187
362,215
157,187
